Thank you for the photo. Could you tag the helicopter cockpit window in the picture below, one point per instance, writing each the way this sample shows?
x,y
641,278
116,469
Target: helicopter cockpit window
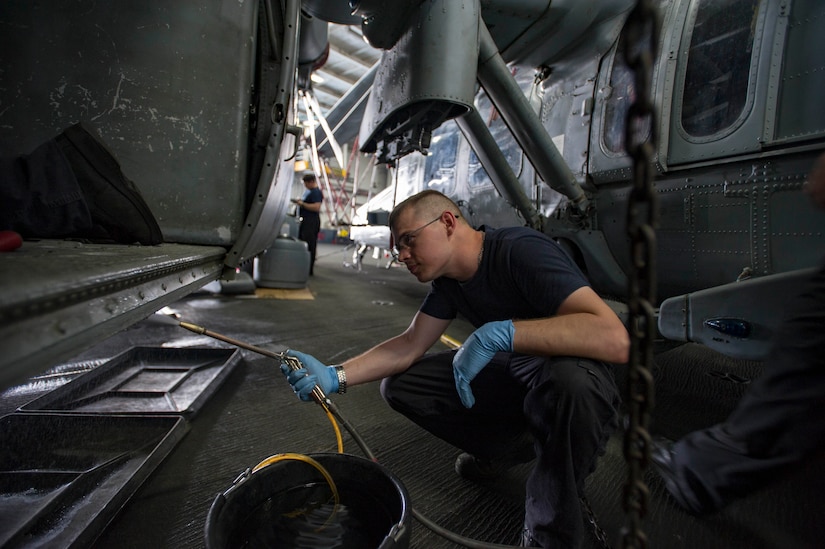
x,y
718,66
439,170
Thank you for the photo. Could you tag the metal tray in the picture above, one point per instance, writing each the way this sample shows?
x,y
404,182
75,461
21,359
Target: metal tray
x,y
144,380
63,477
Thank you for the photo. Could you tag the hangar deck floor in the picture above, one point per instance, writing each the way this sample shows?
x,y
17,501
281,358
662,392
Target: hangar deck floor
x,y
254,415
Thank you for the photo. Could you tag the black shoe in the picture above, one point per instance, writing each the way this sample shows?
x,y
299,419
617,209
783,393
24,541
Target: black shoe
x,y
661,457
477,469
114,201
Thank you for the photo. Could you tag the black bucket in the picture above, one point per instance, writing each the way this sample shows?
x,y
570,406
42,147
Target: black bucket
x,y
288,504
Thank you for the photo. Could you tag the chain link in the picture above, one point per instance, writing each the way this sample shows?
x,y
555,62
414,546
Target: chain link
x,y
641,39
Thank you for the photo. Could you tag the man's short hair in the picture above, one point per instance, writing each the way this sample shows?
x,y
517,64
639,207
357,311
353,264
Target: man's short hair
x,y
427,203
308,177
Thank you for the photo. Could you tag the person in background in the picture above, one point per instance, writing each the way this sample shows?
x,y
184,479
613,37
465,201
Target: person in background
x,y
778,423
310,214
534,379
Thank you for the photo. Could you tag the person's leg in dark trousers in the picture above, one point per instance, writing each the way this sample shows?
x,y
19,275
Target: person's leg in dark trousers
x,y
426,394
777,423
572,408
308,232
569,405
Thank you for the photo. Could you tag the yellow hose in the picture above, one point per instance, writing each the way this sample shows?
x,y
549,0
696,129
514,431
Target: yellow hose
x,y
306,459
338,436
450,342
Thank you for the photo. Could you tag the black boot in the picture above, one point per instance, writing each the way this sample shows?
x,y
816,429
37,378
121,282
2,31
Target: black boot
x,y
661,457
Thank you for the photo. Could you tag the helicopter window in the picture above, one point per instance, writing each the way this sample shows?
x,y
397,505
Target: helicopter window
x,y
718,66
622,95
439,170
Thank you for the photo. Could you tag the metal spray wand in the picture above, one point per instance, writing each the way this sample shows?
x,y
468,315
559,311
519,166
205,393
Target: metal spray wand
x,y
294,364
291,362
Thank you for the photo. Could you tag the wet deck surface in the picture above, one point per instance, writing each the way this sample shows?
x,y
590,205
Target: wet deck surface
x,y
254,414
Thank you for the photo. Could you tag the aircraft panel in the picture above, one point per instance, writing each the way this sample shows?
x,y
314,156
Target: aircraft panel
x,y
166,84
792,246
790,251
512,18
715,213
567,113
568,30
699,236
676,248
801,114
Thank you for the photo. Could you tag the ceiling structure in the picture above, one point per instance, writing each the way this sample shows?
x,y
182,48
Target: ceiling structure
x,y
350,57
347,67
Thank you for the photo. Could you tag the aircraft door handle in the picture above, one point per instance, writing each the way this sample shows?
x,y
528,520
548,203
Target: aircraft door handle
x,y
296,131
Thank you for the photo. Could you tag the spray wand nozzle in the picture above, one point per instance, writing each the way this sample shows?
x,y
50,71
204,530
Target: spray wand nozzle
x,y
292,363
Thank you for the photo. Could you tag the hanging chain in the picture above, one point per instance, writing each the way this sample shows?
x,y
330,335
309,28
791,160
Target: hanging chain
x,y
640,44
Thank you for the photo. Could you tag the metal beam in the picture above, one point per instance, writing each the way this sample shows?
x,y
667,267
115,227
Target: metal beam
x,y
506,95
495,164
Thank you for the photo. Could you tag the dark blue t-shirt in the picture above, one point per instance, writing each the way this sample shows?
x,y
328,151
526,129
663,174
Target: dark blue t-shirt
x,y
311,196
523,274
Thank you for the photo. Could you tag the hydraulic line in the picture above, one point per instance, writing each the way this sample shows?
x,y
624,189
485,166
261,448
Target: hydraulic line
x,y
332,410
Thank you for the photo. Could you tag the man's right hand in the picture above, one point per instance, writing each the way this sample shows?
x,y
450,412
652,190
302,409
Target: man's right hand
x,y
313,373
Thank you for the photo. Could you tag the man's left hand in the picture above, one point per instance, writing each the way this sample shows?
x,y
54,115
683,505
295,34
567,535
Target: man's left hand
x,y
476,352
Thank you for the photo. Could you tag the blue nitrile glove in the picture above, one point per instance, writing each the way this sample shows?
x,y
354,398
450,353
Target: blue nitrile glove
x,y
477,351
314,372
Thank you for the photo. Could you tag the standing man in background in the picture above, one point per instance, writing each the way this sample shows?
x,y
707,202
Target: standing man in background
x,y
309,212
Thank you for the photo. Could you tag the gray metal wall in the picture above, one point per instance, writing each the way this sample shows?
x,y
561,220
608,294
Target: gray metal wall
x,y
166,83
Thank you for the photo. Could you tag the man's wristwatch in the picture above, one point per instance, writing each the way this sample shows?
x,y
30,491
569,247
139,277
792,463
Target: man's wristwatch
x,y
342,379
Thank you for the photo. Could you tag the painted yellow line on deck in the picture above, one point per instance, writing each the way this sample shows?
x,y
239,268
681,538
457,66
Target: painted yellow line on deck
x,y
450,342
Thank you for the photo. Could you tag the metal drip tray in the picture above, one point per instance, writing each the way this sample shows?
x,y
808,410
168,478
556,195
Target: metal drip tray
x,y
143,380
64,477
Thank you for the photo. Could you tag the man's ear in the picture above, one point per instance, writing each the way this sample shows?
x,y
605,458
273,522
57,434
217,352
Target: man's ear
x,y
450,221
